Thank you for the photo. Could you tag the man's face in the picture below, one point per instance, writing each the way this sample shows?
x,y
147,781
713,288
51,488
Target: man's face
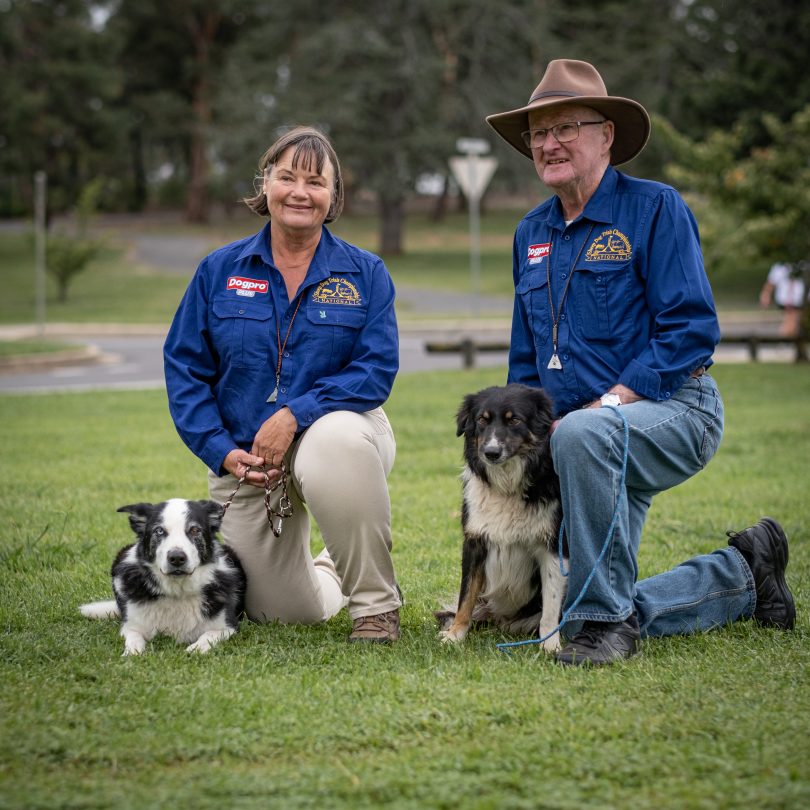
x,y
577,162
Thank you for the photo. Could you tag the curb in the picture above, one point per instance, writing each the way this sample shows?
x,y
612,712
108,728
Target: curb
x,y
80,356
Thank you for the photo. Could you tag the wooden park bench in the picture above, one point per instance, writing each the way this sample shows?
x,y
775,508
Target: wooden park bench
x,y
754,341
469,347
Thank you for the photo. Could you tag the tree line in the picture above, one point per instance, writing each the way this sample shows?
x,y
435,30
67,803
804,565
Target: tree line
x,y
171,104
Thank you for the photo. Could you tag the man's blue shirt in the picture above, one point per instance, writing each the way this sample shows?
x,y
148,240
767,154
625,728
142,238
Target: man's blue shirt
x,y
639,309
221,353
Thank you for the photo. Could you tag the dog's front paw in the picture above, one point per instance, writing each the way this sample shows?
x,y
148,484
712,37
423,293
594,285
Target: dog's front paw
x,y
208,639
552,644
134,643
453,635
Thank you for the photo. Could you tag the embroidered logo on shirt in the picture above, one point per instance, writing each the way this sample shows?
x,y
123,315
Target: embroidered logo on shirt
x,y
336,291
247,286
539,252
609,246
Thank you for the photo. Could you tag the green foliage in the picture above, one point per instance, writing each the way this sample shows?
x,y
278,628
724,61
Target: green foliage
x,y
294,717
752,203
736,62
58,97
176,107
66,257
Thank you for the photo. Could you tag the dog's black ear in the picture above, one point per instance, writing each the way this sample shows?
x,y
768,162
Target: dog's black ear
x,y
543,408
464,417
139,513
213,512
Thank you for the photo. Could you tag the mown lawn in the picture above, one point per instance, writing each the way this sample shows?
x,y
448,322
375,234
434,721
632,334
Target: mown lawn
x,y
116,288
294,717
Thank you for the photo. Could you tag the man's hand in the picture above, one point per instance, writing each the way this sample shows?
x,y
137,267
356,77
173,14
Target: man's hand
x,y
626,395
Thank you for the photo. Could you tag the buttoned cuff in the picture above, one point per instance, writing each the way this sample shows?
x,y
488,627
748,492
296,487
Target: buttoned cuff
x,y
644,381
215,452
306,410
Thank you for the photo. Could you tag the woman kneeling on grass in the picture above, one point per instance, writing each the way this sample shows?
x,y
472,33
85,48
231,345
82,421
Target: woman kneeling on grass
x,y
280,356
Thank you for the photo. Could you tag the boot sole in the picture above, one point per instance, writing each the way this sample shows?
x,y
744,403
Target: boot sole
x,y
781,554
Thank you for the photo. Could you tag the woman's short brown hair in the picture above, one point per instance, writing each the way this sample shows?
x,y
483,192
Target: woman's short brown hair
x,y
311,145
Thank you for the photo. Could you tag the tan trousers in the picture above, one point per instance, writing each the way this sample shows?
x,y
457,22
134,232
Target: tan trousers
x,y
338,469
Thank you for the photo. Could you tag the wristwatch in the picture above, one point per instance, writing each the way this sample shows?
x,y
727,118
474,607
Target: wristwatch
x,y
610,399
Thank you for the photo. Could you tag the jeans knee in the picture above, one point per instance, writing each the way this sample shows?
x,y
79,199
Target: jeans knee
x,y
576,435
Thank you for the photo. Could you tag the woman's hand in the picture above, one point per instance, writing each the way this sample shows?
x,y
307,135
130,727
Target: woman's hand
x,y
274,439
238,463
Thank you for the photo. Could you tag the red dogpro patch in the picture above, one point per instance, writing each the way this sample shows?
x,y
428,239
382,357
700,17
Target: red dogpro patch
x,y
539,252
247,286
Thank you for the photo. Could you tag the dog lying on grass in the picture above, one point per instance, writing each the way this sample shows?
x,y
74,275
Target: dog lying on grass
x,y
510,572
176,579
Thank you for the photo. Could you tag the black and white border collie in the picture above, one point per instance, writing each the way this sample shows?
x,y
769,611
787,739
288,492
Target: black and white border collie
x,y
176,579
510,571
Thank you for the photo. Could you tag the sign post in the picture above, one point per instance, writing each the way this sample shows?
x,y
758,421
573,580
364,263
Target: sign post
x,y
473,172
40,187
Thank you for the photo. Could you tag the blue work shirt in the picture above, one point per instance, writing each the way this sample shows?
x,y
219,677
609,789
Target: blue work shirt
x,y
639,309
221,353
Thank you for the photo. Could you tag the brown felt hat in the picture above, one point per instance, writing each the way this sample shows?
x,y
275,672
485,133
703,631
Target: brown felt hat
x,y
569,81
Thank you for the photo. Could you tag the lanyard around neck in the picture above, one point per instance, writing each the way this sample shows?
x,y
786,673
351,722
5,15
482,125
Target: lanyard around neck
x,y
282,346
554,363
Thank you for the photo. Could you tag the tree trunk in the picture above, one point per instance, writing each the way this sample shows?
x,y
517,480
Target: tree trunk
x,y
138,198
204,31
197,200
392,218
440,204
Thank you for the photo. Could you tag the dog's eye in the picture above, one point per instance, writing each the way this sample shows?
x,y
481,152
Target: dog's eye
x,y
158,532
195,531
482,420
514,420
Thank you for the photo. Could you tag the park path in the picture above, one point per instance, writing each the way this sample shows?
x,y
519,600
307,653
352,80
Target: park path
x,y
126,356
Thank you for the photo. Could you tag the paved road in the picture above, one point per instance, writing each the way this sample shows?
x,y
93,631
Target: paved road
x,y
135,361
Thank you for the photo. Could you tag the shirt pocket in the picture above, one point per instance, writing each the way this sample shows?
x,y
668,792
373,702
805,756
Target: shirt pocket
x,y
242,331
532,288
331,336
601,300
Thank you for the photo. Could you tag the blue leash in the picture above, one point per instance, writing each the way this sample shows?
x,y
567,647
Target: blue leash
x,y
510,644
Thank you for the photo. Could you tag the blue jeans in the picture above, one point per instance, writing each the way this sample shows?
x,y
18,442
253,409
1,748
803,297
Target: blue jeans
x,y
669,442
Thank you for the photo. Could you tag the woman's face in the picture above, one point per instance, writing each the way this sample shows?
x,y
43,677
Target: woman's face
x,y
298,198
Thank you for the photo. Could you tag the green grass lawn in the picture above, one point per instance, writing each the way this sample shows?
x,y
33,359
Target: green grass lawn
x,y
294,717
114,288
32,346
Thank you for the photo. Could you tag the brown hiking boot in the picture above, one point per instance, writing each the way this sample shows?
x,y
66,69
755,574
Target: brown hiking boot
x,y
380,629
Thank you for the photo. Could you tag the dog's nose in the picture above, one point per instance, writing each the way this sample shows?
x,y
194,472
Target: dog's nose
x,y
177,557
492,453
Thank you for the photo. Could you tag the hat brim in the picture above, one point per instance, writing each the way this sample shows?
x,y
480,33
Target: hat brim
x,y
630,120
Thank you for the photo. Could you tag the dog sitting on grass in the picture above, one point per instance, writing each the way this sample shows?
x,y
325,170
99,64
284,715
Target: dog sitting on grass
x,y
511,513
176,580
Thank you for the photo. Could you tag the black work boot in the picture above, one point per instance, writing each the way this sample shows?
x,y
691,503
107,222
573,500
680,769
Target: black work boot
x,y
601,643
765,549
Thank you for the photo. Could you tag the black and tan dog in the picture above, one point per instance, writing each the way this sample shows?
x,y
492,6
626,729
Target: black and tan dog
x,y
510,571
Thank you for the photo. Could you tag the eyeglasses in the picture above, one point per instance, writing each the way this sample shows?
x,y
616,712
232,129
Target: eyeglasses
x,y
563,133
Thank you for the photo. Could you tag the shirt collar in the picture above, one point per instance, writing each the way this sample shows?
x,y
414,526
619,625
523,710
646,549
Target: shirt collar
x,y
598,209
330,256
